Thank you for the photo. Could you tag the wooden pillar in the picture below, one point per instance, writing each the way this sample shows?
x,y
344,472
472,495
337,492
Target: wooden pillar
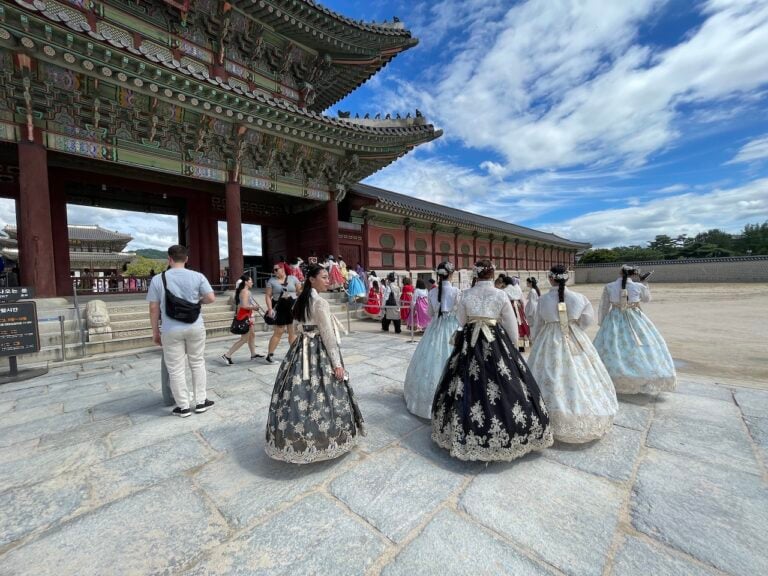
x,y
490,252
407,225
474,247
234,231
434,247
36,250
518,265
332,221
366,259
504,253
456,247
60,237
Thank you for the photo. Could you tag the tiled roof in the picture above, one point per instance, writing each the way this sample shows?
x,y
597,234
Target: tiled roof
x,y
404,203
80,257
86,232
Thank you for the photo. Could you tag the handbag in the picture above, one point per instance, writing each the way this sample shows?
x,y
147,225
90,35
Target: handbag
x,y
240,326
178,308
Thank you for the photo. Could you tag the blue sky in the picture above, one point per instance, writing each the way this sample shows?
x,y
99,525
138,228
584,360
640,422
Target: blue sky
x,y
602,121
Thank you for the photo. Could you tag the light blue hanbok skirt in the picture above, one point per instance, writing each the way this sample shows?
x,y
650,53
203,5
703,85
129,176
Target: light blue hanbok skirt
x,y
428,363
356,288
634,353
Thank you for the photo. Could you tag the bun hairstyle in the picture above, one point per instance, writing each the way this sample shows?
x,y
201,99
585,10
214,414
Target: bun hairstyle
x,y
484,269
534,284
627,270
239,285
508,281
302,312
559,273
444,271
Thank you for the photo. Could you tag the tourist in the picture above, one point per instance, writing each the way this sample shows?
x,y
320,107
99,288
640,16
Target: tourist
x,y
431,284
313,414
355,287
487,405
174,299
391,297
334,275
419,318
373,306
630,346
515,293
295,269
406,301
433,350
246,306
533,298
280,293
576,387
343,269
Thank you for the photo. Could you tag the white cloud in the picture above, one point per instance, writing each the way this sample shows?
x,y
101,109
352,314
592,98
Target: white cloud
x,y
753,151
726,209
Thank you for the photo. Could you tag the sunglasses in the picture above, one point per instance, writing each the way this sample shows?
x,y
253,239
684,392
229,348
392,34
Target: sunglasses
x,y
276,269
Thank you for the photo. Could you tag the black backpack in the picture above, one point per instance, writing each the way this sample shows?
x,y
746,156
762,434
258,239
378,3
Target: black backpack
x,y
178,308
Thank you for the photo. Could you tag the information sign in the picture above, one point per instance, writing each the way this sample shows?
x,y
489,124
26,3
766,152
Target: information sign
x,y
14,293
18,329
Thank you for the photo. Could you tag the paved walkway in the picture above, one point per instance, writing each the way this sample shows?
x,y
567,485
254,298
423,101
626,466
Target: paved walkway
x,y
96,478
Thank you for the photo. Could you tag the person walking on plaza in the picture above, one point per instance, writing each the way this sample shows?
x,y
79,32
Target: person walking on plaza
x,y
246,306
406,301
280,294
630,346
391,298
487,405
575,385
373,305
313,414
512,288
174,299
419,318
431,355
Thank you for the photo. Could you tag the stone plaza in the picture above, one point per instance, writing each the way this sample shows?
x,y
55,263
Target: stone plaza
x,y
97,478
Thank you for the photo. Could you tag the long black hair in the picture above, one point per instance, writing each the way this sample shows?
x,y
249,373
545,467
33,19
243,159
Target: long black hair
x,y
302,311
534,284
559,269
444,271
626,272
240,285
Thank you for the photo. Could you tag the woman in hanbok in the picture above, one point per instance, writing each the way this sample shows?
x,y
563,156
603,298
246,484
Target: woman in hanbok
x,y
355,287
373,306
420,311
335,279
574,382
313,414
434,349
630,346
343,269
487,405
295,269
406,301
515,294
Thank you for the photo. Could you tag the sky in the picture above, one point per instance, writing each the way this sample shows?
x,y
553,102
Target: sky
x,y
603,122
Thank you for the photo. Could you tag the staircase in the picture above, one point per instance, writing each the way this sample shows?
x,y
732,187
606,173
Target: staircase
x,y
131,328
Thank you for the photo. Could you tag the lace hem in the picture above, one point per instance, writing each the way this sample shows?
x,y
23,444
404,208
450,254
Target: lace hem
x,y
517,447
309,456
626,385
577,429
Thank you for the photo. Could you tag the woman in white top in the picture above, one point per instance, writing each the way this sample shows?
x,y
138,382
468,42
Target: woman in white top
x,y
633,351
313,414
431,355
574,382
533,299
488,405
512,288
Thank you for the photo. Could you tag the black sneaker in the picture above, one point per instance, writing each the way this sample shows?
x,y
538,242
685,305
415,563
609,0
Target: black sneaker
x,y
200,408
269,358
182,412
227,359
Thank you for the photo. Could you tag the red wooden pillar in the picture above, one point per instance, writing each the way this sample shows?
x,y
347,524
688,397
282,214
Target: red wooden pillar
x,y
456,248
212,264
234,231
505,260
407,225
490,252
366,260
332,220
516,249
434,247
36,249
474,247
60,236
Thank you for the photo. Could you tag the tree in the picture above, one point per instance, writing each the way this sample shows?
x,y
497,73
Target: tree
x,y
598,255
143,266
754,239
716,237
665,244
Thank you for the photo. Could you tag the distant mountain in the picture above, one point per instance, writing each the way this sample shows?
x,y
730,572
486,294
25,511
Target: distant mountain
x,y
152,253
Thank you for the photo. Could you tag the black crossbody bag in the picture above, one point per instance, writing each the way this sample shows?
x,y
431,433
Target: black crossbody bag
x,y
178,308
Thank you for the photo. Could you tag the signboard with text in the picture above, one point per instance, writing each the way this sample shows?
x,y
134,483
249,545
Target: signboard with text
x,y
18,329
14,293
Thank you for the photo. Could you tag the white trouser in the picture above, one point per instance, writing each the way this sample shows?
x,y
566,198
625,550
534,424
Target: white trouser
x,y
187,343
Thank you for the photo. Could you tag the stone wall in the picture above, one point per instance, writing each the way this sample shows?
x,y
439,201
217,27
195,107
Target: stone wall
x,y
737,269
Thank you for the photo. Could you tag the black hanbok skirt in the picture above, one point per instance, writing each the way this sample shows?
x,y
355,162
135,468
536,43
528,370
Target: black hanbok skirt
x,y
488,405
312,416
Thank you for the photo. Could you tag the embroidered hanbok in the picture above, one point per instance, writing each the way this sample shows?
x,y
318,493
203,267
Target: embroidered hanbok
x,y
373,306
312,415
515,294
432,353
406,300
355,286
531,304
574,382
336,280
488,405
634,353
420,317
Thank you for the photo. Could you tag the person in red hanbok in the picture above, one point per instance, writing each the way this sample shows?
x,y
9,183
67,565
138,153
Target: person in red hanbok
x,y
335,278
406,299
373,306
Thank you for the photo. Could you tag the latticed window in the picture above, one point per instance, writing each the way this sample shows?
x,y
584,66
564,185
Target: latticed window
x,y
421,260
388,259
387,241
445,248
482,250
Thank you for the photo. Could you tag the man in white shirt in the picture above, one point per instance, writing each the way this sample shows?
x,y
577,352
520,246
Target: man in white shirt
x,y
182,340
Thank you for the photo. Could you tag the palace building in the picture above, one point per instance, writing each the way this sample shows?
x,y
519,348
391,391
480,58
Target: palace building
x,y
212,111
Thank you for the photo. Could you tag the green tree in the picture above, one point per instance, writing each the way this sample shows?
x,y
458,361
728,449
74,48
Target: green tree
x,y
753,239
666,245
716,237
598,255
142,266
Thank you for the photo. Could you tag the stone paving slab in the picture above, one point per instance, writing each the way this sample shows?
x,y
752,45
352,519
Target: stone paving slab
x,y
638,558
715,514
315,536
36,428
752,402
536,502
633,416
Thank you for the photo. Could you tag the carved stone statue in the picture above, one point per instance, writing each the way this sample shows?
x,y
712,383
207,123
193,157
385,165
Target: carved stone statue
x,y
97,320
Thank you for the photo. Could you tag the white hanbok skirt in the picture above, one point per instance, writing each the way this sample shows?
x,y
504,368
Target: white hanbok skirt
x,y
574,383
